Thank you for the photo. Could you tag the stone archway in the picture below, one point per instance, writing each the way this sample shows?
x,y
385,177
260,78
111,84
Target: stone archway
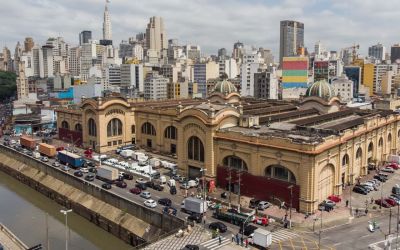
x,y
326,182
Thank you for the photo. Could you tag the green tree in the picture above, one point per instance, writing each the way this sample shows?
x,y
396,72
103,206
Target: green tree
x,y
8,86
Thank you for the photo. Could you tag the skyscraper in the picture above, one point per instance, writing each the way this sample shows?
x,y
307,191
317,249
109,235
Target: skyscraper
x,y
156,38
28,44
291,38
107,33
85,36
395,53
377,51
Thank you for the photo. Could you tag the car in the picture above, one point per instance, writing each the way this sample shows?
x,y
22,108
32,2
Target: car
x,y
261,221
92,170
84,170
106,185
158,187
393,165
56,164
195,217
44,159
127,176
30,153
334,198
326,206
60,149
170,210
360,190
172,190
145,195
135,190
380,178
395,198
387,170
141,180
263,205
254,203
182,179
165,202
218,225
121,184
391,202
382,202
184,186
141,186
176,177
248,230
150,203
366,188
78,173
369,188
65,168
89,177
191,247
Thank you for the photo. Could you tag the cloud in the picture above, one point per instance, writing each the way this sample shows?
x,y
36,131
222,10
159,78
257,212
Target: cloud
x,y
208,23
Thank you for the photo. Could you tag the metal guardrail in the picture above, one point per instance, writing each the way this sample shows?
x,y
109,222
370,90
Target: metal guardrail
x,y
7,232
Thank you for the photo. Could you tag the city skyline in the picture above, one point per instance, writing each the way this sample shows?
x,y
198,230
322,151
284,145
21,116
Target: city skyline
x,y
253,23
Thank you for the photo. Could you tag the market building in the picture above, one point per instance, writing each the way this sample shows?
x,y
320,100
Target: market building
x,y
298,152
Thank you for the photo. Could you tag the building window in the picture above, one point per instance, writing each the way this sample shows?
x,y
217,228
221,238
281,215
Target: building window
x,y
380,143
78,127
345,160
114,127
171,133
235,162
370,147
65,125
133,129
119,142
109,143
359,153
280,172
92,127
114,143
195,149
148,129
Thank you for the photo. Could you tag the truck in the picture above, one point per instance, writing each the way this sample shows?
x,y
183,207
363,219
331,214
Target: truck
x,y
107,174
126,153
262,238
73,160
47,150
155,163
194,205
27,142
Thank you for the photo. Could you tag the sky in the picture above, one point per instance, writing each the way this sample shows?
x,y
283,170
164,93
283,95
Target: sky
x,y
212,24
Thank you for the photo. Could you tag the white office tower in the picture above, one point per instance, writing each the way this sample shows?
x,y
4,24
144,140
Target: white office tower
x,y
107,32
46,61
113,75
228,67
88,53
155,87
319,49
156,38
132,76
27,60
252,62
74,61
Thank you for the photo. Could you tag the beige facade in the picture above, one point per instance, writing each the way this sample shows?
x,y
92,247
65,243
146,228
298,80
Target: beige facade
x,y
318,147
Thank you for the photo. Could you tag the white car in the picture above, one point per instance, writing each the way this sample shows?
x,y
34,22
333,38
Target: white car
x,y
141,180
145,195
263,205
84,170
56,164
150,203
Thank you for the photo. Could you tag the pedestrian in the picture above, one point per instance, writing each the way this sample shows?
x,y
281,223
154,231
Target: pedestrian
x,y
356,211
372,200
241,240
237,239
347,203
246,242
233,237
219,239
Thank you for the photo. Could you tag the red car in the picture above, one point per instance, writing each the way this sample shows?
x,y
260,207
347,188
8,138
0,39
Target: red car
x,y
261,221
382,203
135,190
335,198
391,202
60,149
394,166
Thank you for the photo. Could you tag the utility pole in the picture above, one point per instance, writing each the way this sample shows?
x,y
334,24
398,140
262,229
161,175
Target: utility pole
x,y
65,212
229,186
240,175
47,232
390,220
291,204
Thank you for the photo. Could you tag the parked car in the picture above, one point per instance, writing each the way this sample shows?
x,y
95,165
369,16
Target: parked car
x,y
89,177
56,164
195,217
65,168
394,166
106,186
170,210
141,186
176,177
261,221
391,202
263,205
360,190
254,203
141,180
395,198
218,225
382,202
367,186
172,190
388,170
165,202
78,173
150,203
127,176
326,206
158,187
121,184
145,195
135,190
44,159
184,186
380,178
334,198
363,187
84,170
182,179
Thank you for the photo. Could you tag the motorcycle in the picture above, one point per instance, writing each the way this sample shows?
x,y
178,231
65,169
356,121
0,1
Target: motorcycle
x,y
372,226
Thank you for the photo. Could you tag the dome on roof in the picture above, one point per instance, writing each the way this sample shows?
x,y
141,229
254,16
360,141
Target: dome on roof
x,y
321,89
225,87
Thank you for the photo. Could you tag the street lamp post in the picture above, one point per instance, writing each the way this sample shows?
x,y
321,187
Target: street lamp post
x,y
291,203
65,212
203,170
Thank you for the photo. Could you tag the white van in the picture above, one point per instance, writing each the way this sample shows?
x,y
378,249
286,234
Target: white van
x,y
171,182
163,180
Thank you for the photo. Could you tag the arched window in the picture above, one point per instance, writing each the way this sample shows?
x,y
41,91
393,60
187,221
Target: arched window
x,y
148,129
171,133
133,129
195,149
78,127
389,138
280,172
92,127
114,127
345,160
370,147
359,153
380,143
235,162
65,125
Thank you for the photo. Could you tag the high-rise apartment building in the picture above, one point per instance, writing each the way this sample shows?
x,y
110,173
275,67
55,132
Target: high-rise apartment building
x,y
22,83
155,87
252,62
291,38
343,87
395,53
222,53
377,51
132,76
202,72
107,32
266,85
156,38
193,52
85,37
238,51
46,61
228,67
28,44
74,61
88,56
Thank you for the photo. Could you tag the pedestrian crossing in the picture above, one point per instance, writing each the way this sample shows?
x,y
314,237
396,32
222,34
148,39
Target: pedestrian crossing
x,y
283,234
214,243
